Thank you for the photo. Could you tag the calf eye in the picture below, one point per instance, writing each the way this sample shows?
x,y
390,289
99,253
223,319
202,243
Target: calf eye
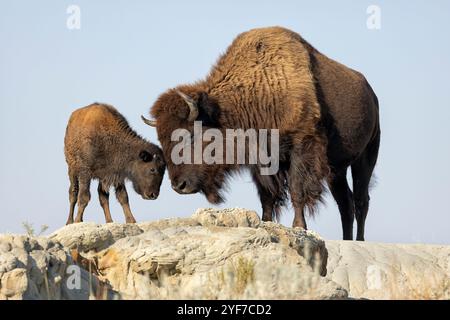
x,y
152,170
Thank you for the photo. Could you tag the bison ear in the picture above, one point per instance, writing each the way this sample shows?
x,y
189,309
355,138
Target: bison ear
x,y
209,110
145,156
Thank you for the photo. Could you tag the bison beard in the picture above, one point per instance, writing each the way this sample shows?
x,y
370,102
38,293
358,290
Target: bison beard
x,y
326,114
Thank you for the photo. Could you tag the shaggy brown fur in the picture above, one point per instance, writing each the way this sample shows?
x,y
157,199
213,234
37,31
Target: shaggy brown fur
x,y
99,144
327,115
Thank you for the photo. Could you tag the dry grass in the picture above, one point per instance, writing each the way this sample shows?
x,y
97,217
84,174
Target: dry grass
x,y
420,288
31,232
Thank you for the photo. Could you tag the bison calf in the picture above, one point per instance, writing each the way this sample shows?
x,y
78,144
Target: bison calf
x,y
99,144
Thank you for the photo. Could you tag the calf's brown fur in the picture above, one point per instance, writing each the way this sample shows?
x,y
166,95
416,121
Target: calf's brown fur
x,y
99,144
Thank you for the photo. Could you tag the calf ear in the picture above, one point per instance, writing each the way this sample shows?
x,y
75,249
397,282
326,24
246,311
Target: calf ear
x,y
209,110
145,156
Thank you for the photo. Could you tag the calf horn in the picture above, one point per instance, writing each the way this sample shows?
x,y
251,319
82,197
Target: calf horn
x,y
151,123
193,109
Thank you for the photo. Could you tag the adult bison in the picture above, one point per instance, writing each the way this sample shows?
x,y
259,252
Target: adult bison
x,y
326,114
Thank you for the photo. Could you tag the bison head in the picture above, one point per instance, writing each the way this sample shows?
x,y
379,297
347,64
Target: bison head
x,y
147,171
178,109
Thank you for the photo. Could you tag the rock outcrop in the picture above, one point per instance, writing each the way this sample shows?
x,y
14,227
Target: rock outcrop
x,y
39,268
214,254
390,271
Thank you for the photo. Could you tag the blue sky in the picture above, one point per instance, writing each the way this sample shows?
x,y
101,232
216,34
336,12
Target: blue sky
x,y
128,52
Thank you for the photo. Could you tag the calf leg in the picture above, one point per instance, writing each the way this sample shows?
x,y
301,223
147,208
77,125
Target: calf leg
x,y
122,197
344,199
84,196
73,194
103,196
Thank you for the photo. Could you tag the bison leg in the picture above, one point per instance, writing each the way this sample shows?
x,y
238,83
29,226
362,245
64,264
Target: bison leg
x,y
122,197
272,193
343,195
265,196
297,198
299,218
84,196
307,170
73,194
267,203
103,196
362,170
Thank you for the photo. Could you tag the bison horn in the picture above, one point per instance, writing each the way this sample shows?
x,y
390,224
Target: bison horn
x,y
151,123
193,109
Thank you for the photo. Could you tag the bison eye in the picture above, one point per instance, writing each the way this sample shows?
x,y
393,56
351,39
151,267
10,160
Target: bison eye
x,y
153,170
145,156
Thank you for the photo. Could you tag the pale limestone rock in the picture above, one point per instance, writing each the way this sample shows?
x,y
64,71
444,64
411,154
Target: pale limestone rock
x,y
307,243
35,268
278,273
176,258
227,218
90,236
216,254
14,283
390,271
